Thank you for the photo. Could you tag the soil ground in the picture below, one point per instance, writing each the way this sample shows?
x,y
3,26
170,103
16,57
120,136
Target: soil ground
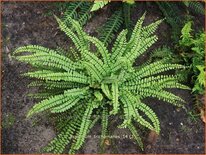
x,y
26,23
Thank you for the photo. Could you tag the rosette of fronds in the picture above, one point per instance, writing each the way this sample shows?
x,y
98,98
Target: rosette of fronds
x,y
99,83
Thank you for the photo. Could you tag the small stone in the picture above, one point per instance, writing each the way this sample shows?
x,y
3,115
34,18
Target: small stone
x,y
170,123
181,123
178,109
177,139
107,142
148,147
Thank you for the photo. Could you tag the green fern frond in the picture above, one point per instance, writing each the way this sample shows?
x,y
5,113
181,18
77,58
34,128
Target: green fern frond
x,y
173,19
151,115
135,134
105,89
158,82
72,10
119,46
129,1
72,76
139,119
99,4
115,98
45,94
58,144
161,95
135,36
150,29
129,107
84,13
62,119
104,123
137,43
170,84
112,25
94,64
79,11
65,99
45,57
93,71
65,106
81,34
197,7
80,44
127,18
140,48
55,84
101,49
186,37
155,68
93,122
86,121
48,103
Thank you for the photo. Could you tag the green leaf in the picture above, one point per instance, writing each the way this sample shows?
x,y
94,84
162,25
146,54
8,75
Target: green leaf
x,y
99,4
115,98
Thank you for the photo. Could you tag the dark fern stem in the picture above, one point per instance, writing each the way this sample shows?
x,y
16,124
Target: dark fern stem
x,y
127,18
196,7
112,25
173,17
79,11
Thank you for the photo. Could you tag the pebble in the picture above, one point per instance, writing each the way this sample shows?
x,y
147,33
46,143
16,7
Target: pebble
x,y
178,109
148,147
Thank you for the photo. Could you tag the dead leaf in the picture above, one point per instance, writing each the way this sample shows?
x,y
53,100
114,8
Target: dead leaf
x,y
107,142
152,137
148,147
203,116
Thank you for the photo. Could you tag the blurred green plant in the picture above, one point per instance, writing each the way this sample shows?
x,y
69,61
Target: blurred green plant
x,y
8,121
98,4
193,46
179,13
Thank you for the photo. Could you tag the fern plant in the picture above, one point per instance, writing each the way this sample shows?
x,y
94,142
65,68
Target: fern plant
x,y
194,54
99,84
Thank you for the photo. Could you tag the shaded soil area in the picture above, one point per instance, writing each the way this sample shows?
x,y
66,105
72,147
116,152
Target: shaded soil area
x,y
25,23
